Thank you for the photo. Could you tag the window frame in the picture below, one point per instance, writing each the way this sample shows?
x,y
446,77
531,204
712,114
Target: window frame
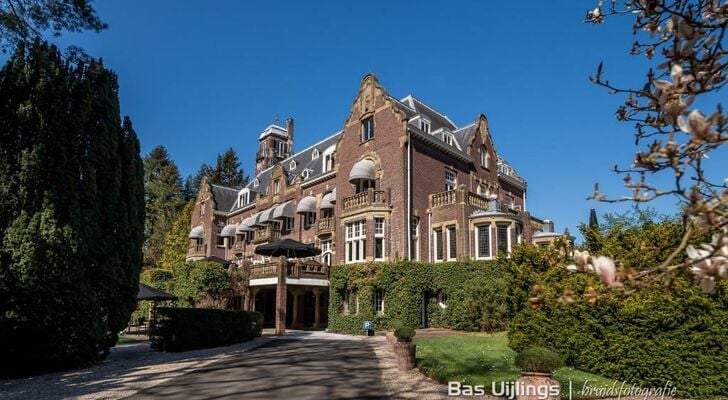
x,y
451,242
355,240
450,184
438,250
379,234
367,129
378,301
489,238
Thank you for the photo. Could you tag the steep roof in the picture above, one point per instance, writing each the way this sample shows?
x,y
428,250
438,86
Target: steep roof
x,y
224,197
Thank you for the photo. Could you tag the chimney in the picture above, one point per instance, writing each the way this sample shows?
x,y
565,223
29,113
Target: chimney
x,y
289,129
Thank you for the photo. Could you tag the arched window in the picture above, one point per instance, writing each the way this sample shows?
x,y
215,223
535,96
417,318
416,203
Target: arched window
x,y
292,165
315,154
306,174
484,157
256,182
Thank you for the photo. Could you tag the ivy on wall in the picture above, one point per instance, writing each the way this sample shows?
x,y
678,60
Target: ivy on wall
x,y
463,295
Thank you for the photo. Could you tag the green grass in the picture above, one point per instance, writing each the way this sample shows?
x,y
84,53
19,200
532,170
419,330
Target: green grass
x,y
126,340
482,359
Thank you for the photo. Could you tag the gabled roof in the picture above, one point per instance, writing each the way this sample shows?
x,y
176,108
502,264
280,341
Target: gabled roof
x,y
224,197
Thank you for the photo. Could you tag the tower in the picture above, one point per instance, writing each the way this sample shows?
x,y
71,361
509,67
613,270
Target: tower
x,y
274,144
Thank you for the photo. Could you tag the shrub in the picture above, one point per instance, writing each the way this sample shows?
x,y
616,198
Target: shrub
x,y
404,333
181,329
538,359
479,295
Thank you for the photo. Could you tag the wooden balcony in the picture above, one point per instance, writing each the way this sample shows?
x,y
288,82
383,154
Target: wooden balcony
x,y
196,251
301,269
325,226
267,234
458,196
366,199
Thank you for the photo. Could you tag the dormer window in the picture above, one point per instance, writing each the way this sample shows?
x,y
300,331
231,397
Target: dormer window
x,y
243,197
367,129
315,154
425,126
484,157
276,186
292,165
306,174
448,138
328,159
256,182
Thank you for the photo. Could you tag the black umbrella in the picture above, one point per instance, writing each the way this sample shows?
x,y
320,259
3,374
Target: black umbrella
x,y
288,248
150,293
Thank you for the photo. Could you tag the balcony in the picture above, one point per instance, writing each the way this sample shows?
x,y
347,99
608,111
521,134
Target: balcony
x,y
267,234
301,269
325,226
239,247
366,199
458,196
196,251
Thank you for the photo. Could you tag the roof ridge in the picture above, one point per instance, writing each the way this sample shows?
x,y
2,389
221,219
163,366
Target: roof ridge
x,y
434,110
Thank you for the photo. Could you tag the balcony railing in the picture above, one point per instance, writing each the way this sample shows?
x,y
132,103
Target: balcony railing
x,y
325,225
239,247
196,251
300,269
458,196
365,199
267,234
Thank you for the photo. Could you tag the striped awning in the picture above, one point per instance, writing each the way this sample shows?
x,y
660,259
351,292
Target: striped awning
x,y
306,205
285,210
364,169
245,225
197,232
328,200
228,231
264,216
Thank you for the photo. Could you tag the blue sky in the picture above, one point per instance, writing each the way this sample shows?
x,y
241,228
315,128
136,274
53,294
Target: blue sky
x,y
199,77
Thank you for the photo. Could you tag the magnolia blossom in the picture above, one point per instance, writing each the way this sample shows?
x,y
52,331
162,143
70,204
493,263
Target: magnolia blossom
x,y
709,262
602,266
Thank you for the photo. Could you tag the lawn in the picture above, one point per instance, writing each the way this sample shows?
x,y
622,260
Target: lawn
x,y
480,359
126,340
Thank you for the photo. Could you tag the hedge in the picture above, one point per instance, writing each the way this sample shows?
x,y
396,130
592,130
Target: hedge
x,y
478,295
649,337
181,329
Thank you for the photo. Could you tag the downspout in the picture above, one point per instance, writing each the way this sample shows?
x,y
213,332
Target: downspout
x,y
409,195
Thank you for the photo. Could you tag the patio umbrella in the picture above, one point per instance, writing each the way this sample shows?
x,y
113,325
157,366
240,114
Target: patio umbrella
x,y
288,248
150,293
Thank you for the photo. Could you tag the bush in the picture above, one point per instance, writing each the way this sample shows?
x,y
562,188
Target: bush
x,y
655,335
181,329
404,333
538,359
478,295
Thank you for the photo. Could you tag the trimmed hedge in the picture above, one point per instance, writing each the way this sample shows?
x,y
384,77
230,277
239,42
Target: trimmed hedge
x,y
478,295
647,338
181,329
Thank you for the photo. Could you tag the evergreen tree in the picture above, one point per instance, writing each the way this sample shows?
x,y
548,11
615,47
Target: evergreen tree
x,y
163,195
177,240
71,212
192,183
227,171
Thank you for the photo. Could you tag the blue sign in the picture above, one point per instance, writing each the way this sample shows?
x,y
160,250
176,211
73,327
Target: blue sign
x,y
368,325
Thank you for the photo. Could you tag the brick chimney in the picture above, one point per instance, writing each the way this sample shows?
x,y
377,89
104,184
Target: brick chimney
x,y
289,128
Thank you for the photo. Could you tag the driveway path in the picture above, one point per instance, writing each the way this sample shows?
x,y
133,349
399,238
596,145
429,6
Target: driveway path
x,y
299,366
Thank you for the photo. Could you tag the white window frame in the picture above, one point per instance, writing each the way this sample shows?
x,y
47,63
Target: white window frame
x,y
276,186
367,134
292,165
425,125
379,235
379,301
490,242
508,239
315,154
281,148
256,182
355,239
449,239
448,138
328,160
450,183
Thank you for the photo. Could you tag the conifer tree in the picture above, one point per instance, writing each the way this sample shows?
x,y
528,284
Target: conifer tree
x,y
71,212
177,239
227,171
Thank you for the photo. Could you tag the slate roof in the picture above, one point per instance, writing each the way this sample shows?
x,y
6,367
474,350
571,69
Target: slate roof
x,y
224,197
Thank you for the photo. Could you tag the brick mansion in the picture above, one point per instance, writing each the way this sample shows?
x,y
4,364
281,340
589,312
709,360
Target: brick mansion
x,y
400,180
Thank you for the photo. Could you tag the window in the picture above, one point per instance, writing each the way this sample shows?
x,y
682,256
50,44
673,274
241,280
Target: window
x,y
345,301
292,165
425,126
438,245
202,208
315,154
451,243
328,160
281,148
288,224
379,302
243,197
220,239
277,186
364,184
379,238
483,240
256,182
415,239
309,219
484,157
367,129
450,180
503,241
448,138
483,190
356,241
326,252
306,174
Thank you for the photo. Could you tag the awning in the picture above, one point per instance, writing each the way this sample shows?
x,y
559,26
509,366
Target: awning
x,y
328,200
264,216
306,205
228,231
250,221
243,226
364,169
197,233
285,210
